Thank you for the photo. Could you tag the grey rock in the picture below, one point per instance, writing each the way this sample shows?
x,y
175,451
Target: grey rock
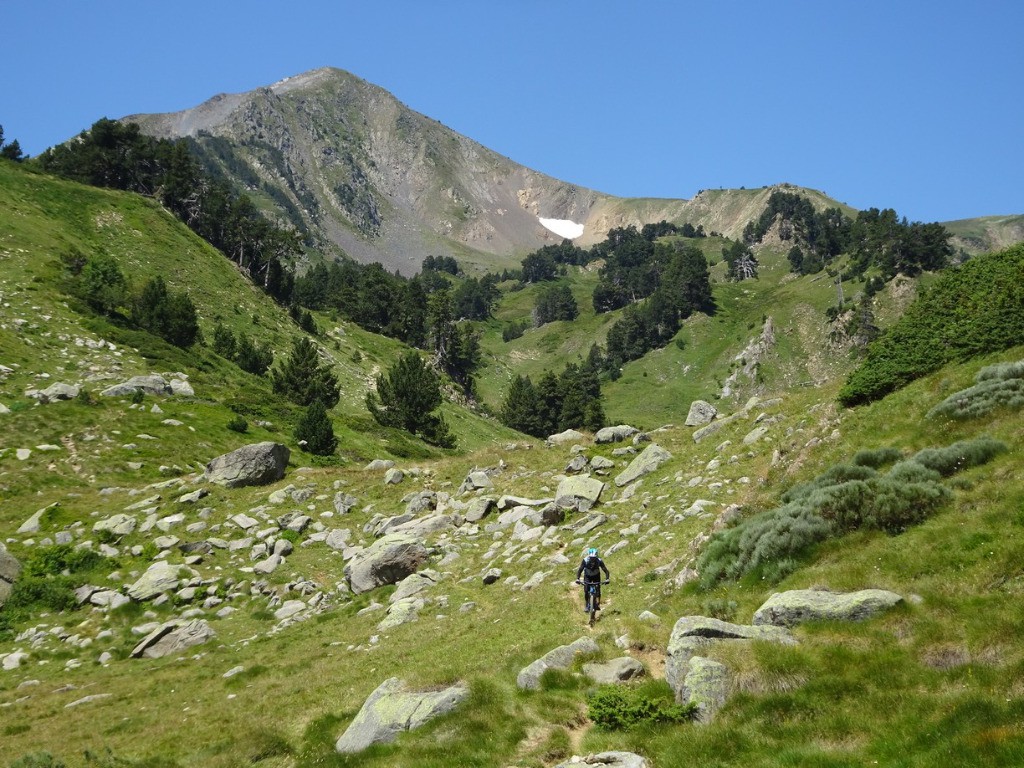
x,y
576,464
119,524
401,612
581,488
268,566
786,609
58,391
492,575
478,509
692,635
615,671
754,435
568,436
650,458
34,523
705,685
393,476
559,658
701,413
192,498
181,388
151,384
172,637
289,609
476,480
344,502
392,709
413,584
600,462
607,760
379,464
421,502
387,561
615,434
338,538
159,578
255,464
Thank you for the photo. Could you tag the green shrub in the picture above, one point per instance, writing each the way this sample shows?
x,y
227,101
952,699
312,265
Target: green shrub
x,y
238,424
969,310
876,458
767,543
720,608
997,386
55,560
615,707
840,473
289,535
38,760
962,455
39,593
137,397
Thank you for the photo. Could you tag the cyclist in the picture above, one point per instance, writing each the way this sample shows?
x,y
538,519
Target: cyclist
x,y
591,567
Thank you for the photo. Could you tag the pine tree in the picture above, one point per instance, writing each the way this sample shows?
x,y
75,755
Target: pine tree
x,y
406,398
519,410
316,429
303,380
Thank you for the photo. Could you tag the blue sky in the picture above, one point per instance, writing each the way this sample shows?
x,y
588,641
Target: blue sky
x,y
917,106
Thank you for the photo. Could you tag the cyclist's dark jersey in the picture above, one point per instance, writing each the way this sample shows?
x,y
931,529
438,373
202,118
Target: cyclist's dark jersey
x,y
591,568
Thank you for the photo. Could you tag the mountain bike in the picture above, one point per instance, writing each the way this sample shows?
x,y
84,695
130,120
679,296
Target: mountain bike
x,y
593,602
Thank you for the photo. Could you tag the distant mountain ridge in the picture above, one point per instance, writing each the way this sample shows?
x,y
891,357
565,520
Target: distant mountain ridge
x,y
344,161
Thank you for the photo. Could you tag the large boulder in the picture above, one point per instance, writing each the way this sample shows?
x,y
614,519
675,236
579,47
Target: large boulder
x,y
786,609
159,578
387,561
57,391
701,413
151,385
706,686
692,635
608,760
568,436
650,458
615,434
171,637
9,570
560,658
391,709
255,464
581,492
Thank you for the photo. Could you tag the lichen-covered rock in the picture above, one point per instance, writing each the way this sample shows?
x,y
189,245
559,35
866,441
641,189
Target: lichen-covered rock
x,y
786,609
256,464
568,436
387,561
650,458
560,658
582,491
706,686
391,709
692,635
160,577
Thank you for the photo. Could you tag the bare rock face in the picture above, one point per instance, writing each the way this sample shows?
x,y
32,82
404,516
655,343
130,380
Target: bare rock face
x,y
559,658
650,458
391,709
256,464
607,760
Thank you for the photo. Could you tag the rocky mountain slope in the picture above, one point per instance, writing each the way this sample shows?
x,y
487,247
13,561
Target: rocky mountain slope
x,y
349,164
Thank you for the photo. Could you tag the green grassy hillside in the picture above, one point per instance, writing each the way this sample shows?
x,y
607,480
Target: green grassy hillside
x,y
937,681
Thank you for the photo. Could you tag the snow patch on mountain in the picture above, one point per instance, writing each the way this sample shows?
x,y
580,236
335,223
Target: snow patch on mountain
x,y
563,227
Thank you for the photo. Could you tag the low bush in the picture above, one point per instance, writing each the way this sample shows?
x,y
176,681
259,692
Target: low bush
x,y
238,424
997,386
615,707
844,498
876,458
962,455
